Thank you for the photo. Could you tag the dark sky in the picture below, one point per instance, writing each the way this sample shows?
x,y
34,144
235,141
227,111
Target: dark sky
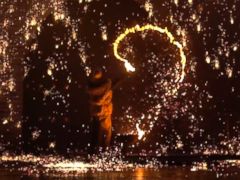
x,y
206,113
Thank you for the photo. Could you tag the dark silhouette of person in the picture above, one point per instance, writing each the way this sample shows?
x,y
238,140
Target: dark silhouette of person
x,y
101,107
47,118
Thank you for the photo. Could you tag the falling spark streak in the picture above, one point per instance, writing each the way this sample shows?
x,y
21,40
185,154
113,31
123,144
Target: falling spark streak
x,y
138,28
70,166
140,132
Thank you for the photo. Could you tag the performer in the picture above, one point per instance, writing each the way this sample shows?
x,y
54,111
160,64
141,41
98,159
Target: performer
x,y
101,107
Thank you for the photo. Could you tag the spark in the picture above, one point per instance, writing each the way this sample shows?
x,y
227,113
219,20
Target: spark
x,y
176,2
52,145
190,2
208,60
216,64
69,166
140,132
129,67
138,28
149,8
49,72
199,27
5,122
229,72
235,48
33,22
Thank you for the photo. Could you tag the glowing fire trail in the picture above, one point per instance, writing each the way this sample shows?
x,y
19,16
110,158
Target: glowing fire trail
x,y
137,28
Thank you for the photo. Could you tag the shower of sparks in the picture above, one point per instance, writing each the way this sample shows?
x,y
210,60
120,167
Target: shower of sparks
x,y
60,166
56,166
175,113
138,28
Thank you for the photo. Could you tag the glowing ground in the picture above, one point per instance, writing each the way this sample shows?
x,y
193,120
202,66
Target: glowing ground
x,y
105,167
138,173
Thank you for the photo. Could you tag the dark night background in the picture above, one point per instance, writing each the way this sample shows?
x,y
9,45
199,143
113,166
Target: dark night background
x,y
63,117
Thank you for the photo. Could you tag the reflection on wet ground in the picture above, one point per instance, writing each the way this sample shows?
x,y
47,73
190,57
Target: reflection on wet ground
x,y
116,167
171,173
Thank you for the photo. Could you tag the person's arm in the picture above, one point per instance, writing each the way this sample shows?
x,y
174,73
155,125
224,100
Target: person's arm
x,y
118,82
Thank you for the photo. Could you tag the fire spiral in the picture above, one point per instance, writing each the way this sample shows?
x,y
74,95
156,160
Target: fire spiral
x,y
138,28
